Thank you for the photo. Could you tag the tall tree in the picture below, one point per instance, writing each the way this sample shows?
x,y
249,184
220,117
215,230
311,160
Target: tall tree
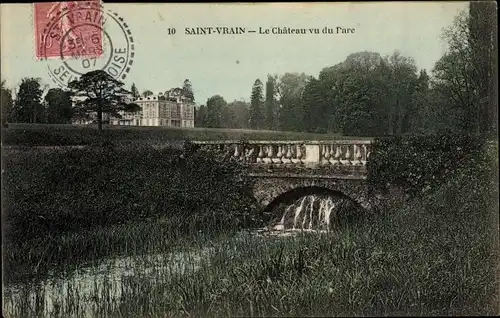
x,y
316,110
291,113
99,92
236,115
59,107
28,107
270,102
200,117
466,73
482,29
215,107
7,103
147,93
135,91
187,90
256,105
423,118
354,94
402,83
240,111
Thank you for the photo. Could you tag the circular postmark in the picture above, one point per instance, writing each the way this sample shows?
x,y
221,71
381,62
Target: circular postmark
x,y
81,37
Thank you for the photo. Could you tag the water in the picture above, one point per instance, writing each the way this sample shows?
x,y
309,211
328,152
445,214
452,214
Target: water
x,y
312,213
87,290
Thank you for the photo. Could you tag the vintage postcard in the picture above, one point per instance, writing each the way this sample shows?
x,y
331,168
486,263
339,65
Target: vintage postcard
x,y
249,159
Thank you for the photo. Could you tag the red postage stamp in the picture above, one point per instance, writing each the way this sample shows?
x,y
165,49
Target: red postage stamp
x,y
71,29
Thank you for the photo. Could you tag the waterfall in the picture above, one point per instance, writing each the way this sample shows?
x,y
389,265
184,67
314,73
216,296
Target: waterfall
x,y
311,213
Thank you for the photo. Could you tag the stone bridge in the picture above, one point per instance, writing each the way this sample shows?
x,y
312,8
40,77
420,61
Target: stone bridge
x,y
287,170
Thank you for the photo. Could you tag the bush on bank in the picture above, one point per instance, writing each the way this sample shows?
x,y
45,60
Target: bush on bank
x,y
46,192
418,162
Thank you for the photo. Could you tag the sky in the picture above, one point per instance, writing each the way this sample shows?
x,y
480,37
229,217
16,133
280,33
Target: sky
x,y
228,64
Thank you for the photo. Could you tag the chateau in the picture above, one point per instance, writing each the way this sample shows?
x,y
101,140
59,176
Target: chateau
x,y
171,109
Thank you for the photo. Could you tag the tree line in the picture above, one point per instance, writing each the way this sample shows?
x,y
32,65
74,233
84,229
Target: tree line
x,y
372,95
365,95
94,93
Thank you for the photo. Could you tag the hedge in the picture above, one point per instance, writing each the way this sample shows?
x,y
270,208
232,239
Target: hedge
x,y
420,162
55,191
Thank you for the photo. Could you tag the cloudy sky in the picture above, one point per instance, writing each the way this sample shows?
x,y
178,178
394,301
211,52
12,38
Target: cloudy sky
x,y
229,64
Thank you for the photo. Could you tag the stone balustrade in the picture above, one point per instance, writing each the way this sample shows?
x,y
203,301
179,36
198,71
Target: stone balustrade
x,y
334,153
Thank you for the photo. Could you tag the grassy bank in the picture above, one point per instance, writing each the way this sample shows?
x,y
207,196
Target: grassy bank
x,y
438,255
63,135
72,205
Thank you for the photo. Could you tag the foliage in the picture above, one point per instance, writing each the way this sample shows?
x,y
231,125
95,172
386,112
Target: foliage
x,y
465,74
237,115
257,105
147,93
232,115
6,104
200,117
271,103
99,92
315,107
436,256
77,189
289,89
28,107
371,95
418,162
135,91
215,110
187,90
59,107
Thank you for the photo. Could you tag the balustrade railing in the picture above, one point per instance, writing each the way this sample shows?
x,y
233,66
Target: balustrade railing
x,y
341,153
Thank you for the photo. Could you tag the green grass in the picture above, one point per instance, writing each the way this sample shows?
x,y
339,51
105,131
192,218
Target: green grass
x,y
62,206
61,135
437,255
36,259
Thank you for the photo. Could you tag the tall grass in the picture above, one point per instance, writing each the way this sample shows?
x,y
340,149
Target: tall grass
x,y
78,204
438,255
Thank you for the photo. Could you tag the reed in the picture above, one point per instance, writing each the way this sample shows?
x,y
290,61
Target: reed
x,y
436,255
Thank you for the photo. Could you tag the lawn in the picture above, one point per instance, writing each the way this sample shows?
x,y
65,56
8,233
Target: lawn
x,y
61,135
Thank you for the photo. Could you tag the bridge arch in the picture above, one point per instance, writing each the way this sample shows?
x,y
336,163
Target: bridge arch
x,y
271,191
284,169
296,193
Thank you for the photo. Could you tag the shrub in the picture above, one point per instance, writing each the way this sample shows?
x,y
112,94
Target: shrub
x,y
55,191
420,162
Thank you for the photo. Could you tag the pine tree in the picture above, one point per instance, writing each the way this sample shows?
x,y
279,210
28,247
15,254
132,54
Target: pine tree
x,y
99,92
256,105
187,90
270,103
135,91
